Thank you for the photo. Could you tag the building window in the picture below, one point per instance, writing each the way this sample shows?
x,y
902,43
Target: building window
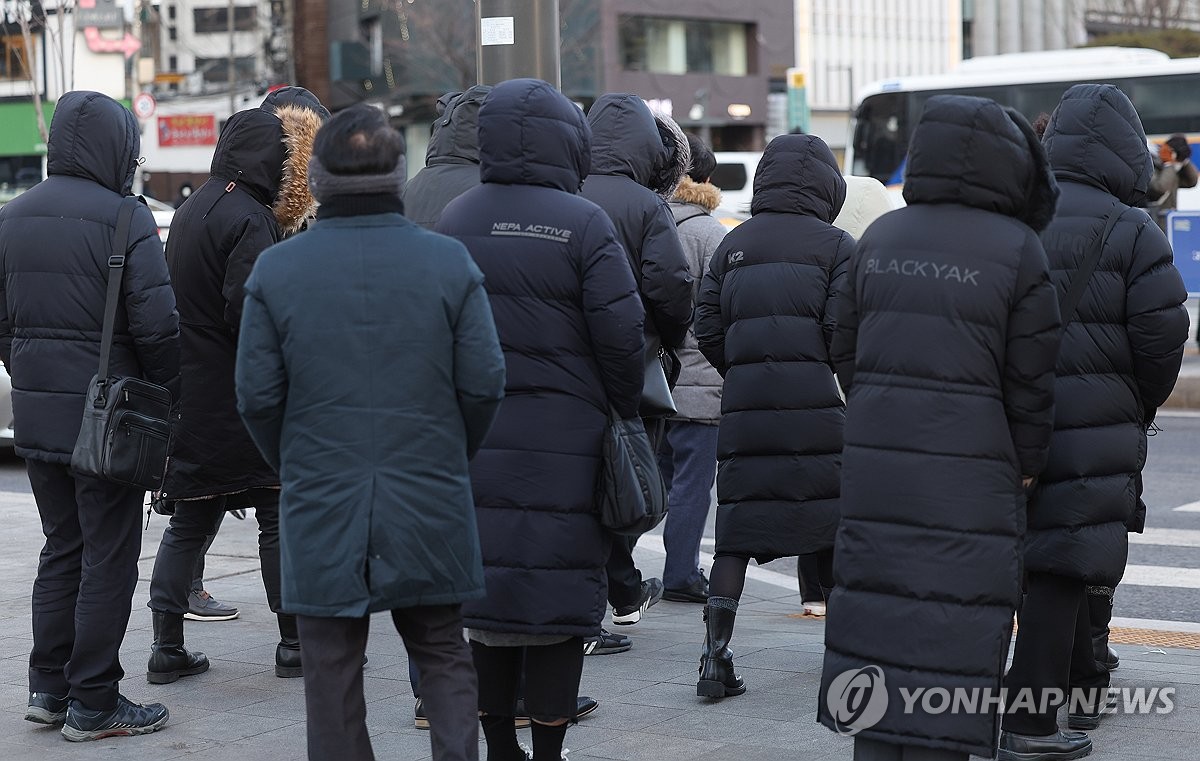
x,y
216,20
12,57
681,46
372,34
172,63
172,34
171,12
216,70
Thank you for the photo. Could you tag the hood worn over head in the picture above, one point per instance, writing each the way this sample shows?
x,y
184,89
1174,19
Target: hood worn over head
x,y
703,194
294,96
530,134
94,137
798,174
1096,138
866,200
455,135
974,152
626,140
266,154
679,153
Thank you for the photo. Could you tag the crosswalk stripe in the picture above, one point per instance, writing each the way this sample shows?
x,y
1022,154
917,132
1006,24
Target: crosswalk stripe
x,y
1168,537
1162,576
1191,507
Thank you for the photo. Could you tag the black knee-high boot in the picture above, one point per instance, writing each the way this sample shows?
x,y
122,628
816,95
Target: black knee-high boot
x,y
287,652
717,677
1100,608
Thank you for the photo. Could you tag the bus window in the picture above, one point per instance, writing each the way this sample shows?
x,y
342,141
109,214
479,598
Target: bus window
x,y
1166,104
1041,98
881,135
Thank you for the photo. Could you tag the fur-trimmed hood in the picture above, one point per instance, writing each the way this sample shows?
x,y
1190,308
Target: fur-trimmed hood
x,y
703,194
265,151
667,176
294,201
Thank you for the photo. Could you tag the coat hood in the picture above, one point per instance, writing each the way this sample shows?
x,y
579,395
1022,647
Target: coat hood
x,y
530,134
974,152
703,194
799,175
626,140
866,201
679,152
455,135
1096,138
266,152
94,137
294,96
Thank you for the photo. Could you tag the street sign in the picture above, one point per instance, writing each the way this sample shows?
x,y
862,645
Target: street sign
x,y
144,106
1183,230
99,14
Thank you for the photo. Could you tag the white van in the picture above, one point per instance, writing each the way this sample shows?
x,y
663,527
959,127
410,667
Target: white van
x,y
734,175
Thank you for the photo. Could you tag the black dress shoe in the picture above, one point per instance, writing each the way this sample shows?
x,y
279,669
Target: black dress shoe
x,y
697,591
583,706
1110,660
1089,716
1060,746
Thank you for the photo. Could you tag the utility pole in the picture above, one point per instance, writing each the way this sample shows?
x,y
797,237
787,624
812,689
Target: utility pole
x,y
517,38
232,66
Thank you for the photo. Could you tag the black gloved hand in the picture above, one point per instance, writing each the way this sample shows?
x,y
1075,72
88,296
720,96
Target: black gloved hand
x,y
1179,144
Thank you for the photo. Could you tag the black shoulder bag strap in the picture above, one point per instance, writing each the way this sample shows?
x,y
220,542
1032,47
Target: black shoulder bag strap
x,y
679,222
116,273
1084,274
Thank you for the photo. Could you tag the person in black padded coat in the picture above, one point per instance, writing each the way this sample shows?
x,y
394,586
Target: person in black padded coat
x,y
763,320
1120,356
947,333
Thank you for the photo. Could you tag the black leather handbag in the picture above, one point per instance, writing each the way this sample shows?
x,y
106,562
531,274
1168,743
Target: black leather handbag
x,y
630,490
126,421
662,370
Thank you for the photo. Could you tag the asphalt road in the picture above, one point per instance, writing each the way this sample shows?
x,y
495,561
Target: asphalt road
x,y
1163,581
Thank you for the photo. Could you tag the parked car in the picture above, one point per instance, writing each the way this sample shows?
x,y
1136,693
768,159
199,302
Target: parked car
x,y
734,175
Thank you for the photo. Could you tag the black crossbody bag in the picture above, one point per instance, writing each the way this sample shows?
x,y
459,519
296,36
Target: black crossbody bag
x,y
1087,268
126,421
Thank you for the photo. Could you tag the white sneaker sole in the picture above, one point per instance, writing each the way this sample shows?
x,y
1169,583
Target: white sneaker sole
x,y
221,617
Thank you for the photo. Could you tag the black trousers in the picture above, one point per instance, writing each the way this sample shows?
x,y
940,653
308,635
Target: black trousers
x,y
551,678
85,582
191,525
333,683
815,574
874,750
1053,651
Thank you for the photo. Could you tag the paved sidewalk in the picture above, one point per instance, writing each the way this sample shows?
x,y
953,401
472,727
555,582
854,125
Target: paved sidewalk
x,y
239,711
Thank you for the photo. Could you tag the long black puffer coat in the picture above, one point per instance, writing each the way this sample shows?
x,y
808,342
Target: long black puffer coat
x,y
946,339
55,240
1120,355
256,194
628,157
451,160
570,324
763,321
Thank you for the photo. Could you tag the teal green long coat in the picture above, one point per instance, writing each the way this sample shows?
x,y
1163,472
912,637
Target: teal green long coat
x,y
368,372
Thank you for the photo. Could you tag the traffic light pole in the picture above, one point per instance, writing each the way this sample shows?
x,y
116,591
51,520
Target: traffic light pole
x,y
517,38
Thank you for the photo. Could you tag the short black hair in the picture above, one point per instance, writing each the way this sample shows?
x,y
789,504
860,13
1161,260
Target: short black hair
x,y
358,140
704,163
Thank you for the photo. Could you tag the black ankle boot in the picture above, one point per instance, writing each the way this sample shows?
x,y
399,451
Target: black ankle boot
x,y
1100,608
168,658
717,677
287,652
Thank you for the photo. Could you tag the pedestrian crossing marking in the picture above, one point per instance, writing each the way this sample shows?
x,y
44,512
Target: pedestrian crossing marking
x,y
1191,507
1162,576
1168,537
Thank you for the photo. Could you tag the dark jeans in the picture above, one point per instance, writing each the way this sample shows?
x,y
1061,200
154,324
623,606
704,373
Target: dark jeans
x,y
193,522
85,582
1054,650
551,675
874,750
198,571
333,682
688,461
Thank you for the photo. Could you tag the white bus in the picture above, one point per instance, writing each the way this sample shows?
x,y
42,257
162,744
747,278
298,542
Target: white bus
x,y
1165,91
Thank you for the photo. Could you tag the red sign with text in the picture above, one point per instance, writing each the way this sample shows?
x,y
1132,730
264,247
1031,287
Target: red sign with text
x,y
183,131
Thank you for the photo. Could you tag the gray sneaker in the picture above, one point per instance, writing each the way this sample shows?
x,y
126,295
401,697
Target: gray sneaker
x,y
204,607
